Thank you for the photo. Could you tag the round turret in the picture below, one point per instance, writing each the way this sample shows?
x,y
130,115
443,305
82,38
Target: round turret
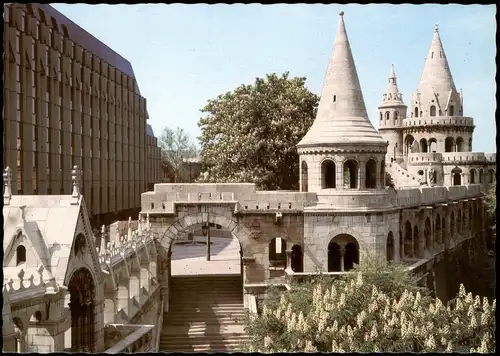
x,y
392,111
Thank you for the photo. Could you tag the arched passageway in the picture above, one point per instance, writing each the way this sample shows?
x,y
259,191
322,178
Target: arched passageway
x,y
390,247
432,144
408,245
297,259
343,253
416,243
438,230
82,291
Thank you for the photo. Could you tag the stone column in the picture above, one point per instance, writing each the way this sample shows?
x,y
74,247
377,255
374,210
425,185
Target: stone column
x,y
342,253
378,171
289,261
340,176
360,180
123,297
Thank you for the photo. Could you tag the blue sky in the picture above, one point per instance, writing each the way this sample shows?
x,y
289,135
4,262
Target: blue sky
x,y
183,55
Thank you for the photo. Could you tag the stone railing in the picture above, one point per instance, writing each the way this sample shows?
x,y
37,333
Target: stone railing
x,y
424,157
449,157
439,121
139,338
159,326
122,246
401,177
409,197
490,157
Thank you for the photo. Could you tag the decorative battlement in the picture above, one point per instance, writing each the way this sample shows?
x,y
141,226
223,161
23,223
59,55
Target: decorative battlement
x,y
21,284
164,198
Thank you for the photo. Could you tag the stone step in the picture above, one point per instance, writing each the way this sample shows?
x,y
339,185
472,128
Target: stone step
x,y
186,320
203,348
219,305
204,327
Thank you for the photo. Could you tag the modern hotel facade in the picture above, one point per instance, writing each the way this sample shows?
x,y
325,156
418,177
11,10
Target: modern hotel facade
x,y
71,100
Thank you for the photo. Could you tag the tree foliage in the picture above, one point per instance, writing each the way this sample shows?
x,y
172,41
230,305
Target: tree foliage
x,y
176,146
491,198
376,308
250,134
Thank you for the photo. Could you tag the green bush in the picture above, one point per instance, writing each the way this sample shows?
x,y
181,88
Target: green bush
x,y
375,308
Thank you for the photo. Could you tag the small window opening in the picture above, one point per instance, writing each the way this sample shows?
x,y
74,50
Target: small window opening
x,y
20,255
432,54
334,98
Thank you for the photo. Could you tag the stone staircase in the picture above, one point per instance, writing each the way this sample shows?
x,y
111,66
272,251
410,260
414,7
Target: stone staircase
x,y
206,314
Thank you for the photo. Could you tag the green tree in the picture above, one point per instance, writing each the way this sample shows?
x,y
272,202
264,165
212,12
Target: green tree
x,y
176,146
250,134
375,308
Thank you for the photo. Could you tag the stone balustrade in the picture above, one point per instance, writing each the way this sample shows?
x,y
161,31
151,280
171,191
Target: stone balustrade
x,y
450,157
408,197
439,121
138,338
22,287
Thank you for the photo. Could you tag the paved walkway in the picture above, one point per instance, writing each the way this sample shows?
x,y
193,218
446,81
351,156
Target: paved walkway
x,y
192,259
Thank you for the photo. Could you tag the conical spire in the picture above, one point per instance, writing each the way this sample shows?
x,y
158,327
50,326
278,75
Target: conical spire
x,y
392,95
341,116
436,75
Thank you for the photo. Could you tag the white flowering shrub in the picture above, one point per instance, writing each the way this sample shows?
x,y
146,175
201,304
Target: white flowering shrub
x,y
365,313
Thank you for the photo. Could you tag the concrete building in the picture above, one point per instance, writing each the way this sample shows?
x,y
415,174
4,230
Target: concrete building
x,y
71,100
84,294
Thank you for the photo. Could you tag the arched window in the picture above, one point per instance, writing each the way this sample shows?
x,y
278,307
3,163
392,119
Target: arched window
x,y
328,174
433,110
387,115
481,176
451,110
390,247
371,174
305,176
472,176
350,174
432,145
396,116
457,176
470,144
20,255
491,176
449,144
416,112
381,117
409,140
460,144
423,145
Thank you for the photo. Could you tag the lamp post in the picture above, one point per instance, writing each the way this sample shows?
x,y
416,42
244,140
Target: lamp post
x,y
205,229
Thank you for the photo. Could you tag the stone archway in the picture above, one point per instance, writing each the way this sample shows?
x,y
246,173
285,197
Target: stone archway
x,y
82,306
239,231
343,253
408,241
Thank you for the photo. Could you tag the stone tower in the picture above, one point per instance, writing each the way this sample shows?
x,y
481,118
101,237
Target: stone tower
x,y
343,155
438,105
392,112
